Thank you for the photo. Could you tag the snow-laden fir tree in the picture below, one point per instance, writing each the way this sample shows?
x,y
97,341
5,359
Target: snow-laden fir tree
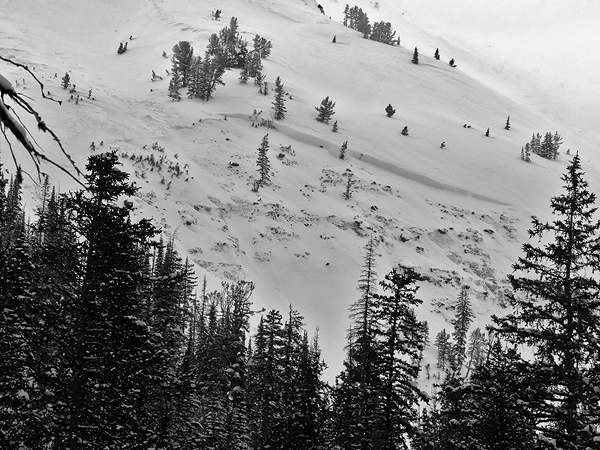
x,y
507,124
356,403
279,103
66,81
476,350
262,47
174,86
349,183
382,32
401,342
483,412
436,55
461,323
415,56
335,128
182,59
264,166
343,150
325,110
556,301
444,346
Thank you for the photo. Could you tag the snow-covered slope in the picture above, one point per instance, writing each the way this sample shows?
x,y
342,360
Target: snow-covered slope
x,y
460,213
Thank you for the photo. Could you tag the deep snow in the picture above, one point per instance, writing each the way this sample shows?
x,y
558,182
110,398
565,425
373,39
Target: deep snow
x,y
460,214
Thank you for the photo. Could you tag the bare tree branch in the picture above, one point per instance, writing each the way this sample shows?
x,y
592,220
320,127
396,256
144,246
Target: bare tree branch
x,y
19,131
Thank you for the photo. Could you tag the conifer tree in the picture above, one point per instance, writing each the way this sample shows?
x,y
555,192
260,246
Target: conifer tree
x,y
451,62
66,81
507,125
482,412
404,131
211,75
244,74
266,379
262,47
547,147
555,300
264,166
325,110
174,86
335,128
389,110
382,32
557,142
355,399
461,323
111,369
442,342
349,182
415,57
279,103
183,55
476,350
487,133
343,150
402,339
436,55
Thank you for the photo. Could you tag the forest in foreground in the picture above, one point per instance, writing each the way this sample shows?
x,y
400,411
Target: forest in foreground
x,y
108,342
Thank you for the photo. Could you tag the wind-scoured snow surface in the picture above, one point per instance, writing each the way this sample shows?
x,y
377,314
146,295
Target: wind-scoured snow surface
x,y
459,214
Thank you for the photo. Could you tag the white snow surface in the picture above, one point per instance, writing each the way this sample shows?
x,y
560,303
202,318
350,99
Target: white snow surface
x,y
459,215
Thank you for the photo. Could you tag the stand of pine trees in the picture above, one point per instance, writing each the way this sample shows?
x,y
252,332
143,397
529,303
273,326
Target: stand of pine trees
x,y
106,343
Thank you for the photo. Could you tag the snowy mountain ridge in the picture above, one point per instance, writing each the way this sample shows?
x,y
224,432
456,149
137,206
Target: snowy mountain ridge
x,y
458,214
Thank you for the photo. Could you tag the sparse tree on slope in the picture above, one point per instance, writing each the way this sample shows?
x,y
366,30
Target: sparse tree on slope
x,y
389,110
66,81
325,110
264,166
415,57
279,103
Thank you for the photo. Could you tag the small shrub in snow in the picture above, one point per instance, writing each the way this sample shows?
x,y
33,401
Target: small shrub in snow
x,y
389,110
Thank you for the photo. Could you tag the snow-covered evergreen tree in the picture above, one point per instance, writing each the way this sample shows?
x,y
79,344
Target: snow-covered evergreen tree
x,y
279,103
66,81
264,166
182,59
325,110
556,298
415,56
461,323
